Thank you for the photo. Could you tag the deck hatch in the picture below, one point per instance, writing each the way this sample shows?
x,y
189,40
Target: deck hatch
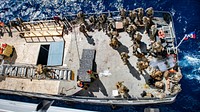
x,y
55,56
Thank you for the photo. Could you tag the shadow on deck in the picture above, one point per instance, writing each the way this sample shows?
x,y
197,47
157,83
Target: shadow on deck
x,y
95,86
133,71
122,48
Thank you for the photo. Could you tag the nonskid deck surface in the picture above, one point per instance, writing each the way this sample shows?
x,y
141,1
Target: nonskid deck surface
x,y
109,65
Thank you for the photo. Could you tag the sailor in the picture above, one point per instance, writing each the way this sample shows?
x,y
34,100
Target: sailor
x,y
135,46
175,89
114,43
102,21
140,14
166,74
131,30
159,84
146,22
178,76
125,23
109,29
152,33
141,57
157,47
119,84
142,65
122,89
115,33
132,16
138,37
82,29
157,75
81,17
92,20
39,71
149,12
123,13
124,57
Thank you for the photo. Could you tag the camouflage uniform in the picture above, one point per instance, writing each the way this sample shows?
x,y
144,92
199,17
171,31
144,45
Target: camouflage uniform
x,y
132,16
124,57
149,12
159,84
122,89
123,13
131,30
135,46
157,75
157,47
138,37
142,65
153,32
114,43
81,17
146,22
140,14
125,23
92,20
82,29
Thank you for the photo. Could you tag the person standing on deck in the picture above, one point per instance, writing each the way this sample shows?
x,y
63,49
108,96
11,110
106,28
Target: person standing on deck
x,y
125,24
124,57
152,33
149,12
81,17
140,15
138,37
146,22
132,16
110,29
114,43
92,20
123,13
131,30
142,65
82,29
122,89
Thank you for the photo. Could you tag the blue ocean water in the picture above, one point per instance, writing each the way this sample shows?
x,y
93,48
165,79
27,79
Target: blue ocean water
x,y
186,19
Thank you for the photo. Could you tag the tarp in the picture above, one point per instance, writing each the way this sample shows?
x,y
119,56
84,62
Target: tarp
x,y
55,56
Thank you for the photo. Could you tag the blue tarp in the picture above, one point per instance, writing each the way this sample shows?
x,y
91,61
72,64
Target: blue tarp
x,y
56,51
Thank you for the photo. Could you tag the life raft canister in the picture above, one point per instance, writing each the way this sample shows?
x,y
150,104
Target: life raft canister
x,y
161,34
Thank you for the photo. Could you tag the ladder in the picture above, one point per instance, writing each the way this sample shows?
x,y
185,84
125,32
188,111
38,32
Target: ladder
x,y
24,71
169,40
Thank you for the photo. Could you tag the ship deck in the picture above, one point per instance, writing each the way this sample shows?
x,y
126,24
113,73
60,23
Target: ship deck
x,y
109,66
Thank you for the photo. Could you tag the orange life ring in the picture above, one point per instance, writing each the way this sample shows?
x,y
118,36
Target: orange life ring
x,y
172,71
161,34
